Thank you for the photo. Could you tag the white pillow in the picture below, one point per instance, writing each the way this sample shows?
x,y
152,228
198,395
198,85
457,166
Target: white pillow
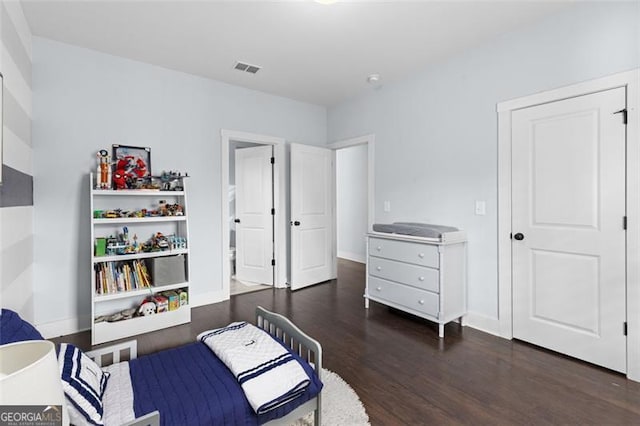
x,y
83,382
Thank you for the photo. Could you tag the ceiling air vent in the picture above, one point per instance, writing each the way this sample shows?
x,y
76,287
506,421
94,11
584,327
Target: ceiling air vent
x,y
251,69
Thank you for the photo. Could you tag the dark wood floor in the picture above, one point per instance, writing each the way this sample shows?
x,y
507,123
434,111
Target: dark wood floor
x,y
405,375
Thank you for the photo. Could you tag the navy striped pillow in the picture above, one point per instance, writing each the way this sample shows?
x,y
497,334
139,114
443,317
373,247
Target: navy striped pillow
x,y
83,382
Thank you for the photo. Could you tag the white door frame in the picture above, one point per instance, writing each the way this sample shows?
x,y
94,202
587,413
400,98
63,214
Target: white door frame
x,y
368,140
281,228
631,81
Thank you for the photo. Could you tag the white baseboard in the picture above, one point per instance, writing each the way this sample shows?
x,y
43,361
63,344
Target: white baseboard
x,y
54,329
355,257
208,298
483,323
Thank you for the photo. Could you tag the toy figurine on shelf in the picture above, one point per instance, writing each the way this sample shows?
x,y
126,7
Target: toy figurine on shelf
x,y
161,242
175,210
103,173
120,179
172,181
148,307
163,208
176,243
157,242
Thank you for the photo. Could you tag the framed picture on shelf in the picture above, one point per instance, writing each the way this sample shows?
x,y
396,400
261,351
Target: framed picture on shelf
x,y
131,164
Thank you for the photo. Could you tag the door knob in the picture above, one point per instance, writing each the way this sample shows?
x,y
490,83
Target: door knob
x,y
295,223
519,236
237,221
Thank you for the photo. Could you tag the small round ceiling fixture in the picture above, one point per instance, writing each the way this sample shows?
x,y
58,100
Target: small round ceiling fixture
x,y
373,78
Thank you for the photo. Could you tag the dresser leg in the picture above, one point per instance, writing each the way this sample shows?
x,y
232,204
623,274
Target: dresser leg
x,y
366,303
441,330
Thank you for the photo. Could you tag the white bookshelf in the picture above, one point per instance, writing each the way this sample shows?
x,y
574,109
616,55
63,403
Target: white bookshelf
x,y
108,303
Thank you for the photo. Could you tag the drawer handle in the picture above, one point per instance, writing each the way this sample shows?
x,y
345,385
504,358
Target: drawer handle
x,y
421,302
378,248
421,255
379,268
379,288
421,278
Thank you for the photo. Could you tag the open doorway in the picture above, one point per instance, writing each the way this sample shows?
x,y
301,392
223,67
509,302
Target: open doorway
x,y
253,237
351,202
354,199
314,180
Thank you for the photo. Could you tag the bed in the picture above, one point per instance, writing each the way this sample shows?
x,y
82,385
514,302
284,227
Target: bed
x,y
190,385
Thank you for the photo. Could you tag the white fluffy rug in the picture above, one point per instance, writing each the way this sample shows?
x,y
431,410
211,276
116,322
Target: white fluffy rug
x,y
340,404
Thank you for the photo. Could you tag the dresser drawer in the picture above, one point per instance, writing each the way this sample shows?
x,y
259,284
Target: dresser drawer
x,y
404,251
412,298
405,273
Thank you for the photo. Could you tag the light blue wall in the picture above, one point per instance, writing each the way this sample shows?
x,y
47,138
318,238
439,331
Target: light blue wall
x,y
436,133
84,101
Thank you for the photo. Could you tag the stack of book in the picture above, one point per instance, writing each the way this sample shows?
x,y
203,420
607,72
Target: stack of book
x,y
115,277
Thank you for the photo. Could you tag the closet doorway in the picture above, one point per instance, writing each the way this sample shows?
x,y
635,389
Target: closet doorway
x,y
252,184
250,217
568,239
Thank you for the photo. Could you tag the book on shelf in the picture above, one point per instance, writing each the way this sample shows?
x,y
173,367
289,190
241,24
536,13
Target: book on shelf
x,y
121,276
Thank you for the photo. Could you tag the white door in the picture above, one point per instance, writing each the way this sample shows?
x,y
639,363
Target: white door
x,y
568,209
311,215
254,221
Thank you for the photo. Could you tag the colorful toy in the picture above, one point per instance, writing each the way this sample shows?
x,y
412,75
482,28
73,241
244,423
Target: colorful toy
x,y
172,181
103,173
162,208
101,246
174,210
184,297
159,242
173,298
120,179
162,303
176,243
148,307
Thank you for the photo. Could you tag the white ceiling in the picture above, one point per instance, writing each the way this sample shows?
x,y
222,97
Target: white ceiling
x,y
310,52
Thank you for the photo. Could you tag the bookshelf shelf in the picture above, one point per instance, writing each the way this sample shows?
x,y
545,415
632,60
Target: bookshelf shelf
x,y
123,257
138,293
111,271
109,331
135,192
139,220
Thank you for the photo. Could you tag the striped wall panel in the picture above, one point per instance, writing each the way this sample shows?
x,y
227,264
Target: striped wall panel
x,y
16,192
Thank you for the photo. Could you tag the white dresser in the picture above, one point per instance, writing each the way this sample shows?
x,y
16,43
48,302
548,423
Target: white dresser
x,y
425,277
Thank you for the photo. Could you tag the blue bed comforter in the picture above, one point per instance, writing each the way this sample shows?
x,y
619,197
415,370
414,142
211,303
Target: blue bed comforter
x,y
189,385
